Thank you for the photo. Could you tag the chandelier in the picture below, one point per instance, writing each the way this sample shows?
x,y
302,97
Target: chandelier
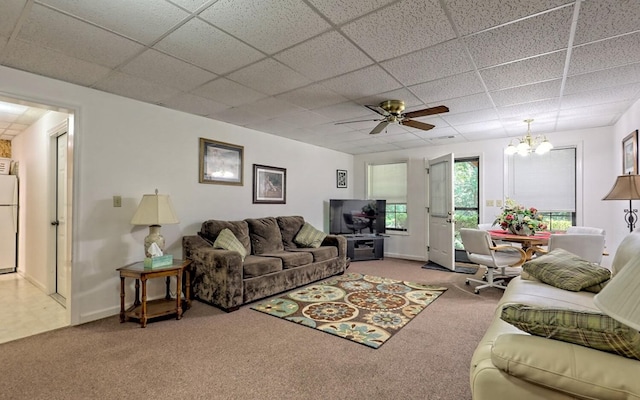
x,y
529,144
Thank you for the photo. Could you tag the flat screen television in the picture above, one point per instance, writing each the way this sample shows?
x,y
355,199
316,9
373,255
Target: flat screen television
x,y
357,217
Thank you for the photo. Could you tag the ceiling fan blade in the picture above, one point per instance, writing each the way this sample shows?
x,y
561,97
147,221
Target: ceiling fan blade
x,y
360,120
417,124
426,111
379,128
377,109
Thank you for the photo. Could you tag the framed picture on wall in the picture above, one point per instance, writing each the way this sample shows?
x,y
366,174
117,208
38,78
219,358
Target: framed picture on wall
x,y
269,184
341,178
220,163
630,153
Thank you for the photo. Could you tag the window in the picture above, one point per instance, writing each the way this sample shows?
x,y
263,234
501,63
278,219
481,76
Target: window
x,y
389,182
466,186
546,182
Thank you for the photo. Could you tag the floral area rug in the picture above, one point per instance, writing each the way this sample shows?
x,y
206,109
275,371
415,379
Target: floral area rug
x,y
365,309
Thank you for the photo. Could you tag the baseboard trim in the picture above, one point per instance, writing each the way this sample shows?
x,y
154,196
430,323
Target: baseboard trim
x,y
405,257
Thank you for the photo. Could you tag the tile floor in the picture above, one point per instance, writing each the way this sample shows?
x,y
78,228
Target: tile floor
x,y
26,310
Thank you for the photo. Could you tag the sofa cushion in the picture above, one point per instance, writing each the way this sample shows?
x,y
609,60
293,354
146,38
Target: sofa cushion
x,y
322,253
590,329
265,235
291,259
211,229
289,228
309,236
226,240
254,266
565,270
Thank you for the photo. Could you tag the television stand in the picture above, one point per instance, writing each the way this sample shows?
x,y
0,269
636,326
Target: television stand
x,y
365,247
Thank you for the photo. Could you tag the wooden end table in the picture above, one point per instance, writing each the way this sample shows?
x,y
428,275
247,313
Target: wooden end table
x,y
142,309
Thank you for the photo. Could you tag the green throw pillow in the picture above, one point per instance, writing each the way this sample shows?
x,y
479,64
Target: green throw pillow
x,y
227,240
308,236
565,270
589,329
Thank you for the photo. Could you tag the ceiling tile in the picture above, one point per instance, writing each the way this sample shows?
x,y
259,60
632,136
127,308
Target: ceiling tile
x,y
437,132
492,128
165,70
271,107
9,16
282,23
606,18
603,79
362,83
412,144
275,126
312,97
208,47
436,62
325,56
448,88
615,108
134,19
528,110
527,93
190,5
530,70
605,54
340,11
601,96
135,88
3,43
40,60
530,37
194,104
411,102
270,77
480,101
470,117
586,122
474,16
228,92
306,119
344,111
240,117
76,39
416,24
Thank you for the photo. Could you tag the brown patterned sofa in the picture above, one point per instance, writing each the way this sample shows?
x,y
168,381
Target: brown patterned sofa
x,y
274,262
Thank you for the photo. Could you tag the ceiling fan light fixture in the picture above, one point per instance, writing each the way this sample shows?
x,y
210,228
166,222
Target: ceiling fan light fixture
x,y
544,147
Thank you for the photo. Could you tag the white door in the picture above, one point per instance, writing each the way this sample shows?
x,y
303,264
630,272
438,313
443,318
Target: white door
x,y
8,222
441,211
62,260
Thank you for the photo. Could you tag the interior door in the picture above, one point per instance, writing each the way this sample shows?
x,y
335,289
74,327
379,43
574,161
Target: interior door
x,y
60,223
441,211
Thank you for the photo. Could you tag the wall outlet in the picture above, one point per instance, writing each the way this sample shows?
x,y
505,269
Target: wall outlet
x,y
117,201
498,203
489,203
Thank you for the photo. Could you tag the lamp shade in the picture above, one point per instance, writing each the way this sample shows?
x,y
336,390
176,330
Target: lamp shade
x,y
155,209
627,187
620,298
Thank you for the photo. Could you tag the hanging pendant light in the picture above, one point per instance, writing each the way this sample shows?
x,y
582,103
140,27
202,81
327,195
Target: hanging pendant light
x,y
529,144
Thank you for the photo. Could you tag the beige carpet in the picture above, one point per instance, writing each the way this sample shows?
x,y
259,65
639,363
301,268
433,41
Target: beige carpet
x,y
249,355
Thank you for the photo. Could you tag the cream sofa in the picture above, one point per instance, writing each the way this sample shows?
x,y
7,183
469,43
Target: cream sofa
x,y
511,364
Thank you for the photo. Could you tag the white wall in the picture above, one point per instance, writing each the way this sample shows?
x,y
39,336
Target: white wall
x,y
128,148
598,156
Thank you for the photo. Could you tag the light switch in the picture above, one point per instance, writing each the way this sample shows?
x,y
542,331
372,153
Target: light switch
x,y
489,203
117,201
498,203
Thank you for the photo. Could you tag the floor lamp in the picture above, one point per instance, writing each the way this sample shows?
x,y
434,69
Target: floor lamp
x,y
627,187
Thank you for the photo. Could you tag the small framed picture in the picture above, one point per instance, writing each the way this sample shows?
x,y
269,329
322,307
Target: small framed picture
x,y
269,185
341,178
630,153
220,163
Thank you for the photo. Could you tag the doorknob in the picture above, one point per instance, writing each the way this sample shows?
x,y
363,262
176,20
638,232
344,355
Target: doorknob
x,y
55,223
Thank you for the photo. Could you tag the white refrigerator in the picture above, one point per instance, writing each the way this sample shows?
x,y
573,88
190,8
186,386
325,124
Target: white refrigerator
x,y
8,222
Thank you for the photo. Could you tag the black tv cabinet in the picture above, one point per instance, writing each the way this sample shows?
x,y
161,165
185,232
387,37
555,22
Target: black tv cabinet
x,y
365,247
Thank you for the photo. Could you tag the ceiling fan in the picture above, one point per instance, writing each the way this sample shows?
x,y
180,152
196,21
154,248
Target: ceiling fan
x,y
392,111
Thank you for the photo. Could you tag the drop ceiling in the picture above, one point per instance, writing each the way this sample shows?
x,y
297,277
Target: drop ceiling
x,y
294,68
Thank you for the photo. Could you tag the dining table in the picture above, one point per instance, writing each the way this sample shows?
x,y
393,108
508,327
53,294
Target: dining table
x,y
528,243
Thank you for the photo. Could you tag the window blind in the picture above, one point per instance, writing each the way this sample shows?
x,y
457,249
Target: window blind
x,y
546,182
388,182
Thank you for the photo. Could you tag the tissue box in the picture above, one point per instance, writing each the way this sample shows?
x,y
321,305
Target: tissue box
x,y
160,261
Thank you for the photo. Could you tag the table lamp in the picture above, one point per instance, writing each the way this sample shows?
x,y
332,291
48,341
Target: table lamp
x,y
154,210
627,187
620,298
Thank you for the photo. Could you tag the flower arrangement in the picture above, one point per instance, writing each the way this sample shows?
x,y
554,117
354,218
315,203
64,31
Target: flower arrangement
x,y
519,220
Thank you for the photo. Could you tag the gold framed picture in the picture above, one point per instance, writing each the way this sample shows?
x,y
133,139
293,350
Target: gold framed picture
x,y
630,153
221,163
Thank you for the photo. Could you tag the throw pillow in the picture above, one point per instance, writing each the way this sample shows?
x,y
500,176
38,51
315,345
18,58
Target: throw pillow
x,y
227,240
308,236
565,270
590,329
